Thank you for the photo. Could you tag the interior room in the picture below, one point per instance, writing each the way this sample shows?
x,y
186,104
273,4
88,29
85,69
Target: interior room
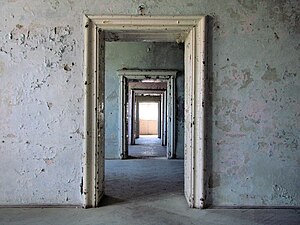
x,y
149,112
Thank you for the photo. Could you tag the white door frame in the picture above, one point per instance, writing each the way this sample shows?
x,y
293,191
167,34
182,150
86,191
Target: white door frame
x,y
163,109
164,75
99,29
160,111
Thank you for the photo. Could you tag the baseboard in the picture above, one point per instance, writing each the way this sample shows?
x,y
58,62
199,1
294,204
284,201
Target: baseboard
x,y
209,207
253,207
40,206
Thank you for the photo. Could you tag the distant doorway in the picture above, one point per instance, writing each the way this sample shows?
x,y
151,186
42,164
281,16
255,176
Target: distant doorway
x,y
147,143
137,86
148,120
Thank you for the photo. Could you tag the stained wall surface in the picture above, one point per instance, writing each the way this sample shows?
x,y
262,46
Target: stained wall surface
x,y
139,55
253,126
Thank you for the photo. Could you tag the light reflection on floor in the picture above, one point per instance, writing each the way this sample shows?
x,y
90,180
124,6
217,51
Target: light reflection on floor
x,y
147,146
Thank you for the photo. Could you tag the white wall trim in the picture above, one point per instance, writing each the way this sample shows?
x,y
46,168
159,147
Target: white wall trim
x,y
99,29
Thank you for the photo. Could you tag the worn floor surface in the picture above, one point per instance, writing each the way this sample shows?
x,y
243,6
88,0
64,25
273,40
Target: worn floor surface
x,y
146,192
147,146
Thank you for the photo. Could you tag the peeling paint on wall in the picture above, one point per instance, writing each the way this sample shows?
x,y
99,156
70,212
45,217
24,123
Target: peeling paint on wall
x,y
270,75
253,135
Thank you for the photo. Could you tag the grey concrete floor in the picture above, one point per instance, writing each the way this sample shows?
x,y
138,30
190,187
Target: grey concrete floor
x,y
148,140
146,192
147,146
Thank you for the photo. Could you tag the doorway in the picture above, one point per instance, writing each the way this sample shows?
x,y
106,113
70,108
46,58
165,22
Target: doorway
x,y
148,142
148,119
133,84
148,122
191,31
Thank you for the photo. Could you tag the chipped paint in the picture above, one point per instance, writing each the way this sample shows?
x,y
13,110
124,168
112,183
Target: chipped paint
x,y
254,129
270,75
1,68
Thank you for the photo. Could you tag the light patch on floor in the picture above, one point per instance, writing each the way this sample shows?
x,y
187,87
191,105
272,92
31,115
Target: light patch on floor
x,y
147,146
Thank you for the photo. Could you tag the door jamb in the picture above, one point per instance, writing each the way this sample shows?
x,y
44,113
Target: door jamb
x,y
171,28
167,75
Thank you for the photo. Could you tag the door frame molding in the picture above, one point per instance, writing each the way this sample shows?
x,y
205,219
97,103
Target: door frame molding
x,y
98,29
160,110
164,75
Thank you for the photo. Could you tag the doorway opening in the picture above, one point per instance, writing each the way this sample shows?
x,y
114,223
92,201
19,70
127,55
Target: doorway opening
x,y
148,119
147,140
136,86
188,29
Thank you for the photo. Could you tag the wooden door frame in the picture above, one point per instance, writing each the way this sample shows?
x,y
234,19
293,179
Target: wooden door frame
x,y
136,92
164,75
163,115
97,30
156,99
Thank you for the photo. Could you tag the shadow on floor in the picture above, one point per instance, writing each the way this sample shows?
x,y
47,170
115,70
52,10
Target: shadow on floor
x,y
109,200
132,179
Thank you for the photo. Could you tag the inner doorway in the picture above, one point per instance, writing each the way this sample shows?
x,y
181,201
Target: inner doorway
x,y
147,85
148,142
147,120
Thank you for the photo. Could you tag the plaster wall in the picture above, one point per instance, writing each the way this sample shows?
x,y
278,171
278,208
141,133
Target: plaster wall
x,y
253,126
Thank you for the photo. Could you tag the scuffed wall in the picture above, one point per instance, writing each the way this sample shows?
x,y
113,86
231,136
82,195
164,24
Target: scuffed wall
x,y
139,55
253,154
41,99
255,117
